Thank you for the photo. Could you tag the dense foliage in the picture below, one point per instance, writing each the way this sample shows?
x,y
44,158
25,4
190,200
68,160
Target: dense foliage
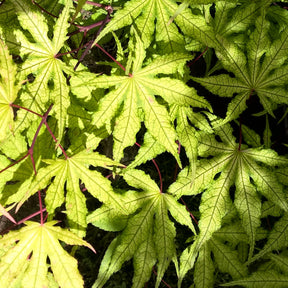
x,y
148,134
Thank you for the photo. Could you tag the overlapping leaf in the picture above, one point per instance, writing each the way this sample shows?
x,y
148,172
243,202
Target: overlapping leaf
x,y
248,169
137,95
143,14
262,71
49,85
260,279
149,235
25,263
8,90
68,173
250,40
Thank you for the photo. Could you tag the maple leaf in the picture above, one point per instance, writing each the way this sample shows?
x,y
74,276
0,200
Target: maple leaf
x,y
273,270
276,239
18,265
247,168
68,172
8,90
19,177
136,92
143,15
149,234
229,246
49,85
260,279
186,132
261,70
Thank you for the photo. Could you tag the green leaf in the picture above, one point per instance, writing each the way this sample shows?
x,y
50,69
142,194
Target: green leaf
x,y
68,172
261,279
276,238
148,150
137,93
261,72
149,235
42,62
8,90
108,219
204,269
143,14
227,259
43,242
228,166
80,5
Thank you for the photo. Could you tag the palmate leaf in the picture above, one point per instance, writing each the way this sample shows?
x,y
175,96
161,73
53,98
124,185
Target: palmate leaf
x,y
137,95
261,279
227,259
204,269
262,71
149,234
277,238
69,172
8,90
143,14
186,133
228,166
17,265
272,273
222,252
49,85
148,150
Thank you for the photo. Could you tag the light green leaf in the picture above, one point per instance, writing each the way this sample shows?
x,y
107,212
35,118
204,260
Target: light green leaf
x,y
149,234
227,259
143,15
229,165
260,72
69,171
8,91
261,279
108,219
204,269
137,95
148,150
41,61
43,242
276,239
144,260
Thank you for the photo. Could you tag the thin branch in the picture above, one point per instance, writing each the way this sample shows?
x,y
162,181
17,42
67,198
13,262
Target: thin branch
x,y
30,150
119,64
191,215
24,108
106,7
160,176
91,26
14,163
31,216
56,141
158,170
196,59
90,43
40,204
165,283
42,9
